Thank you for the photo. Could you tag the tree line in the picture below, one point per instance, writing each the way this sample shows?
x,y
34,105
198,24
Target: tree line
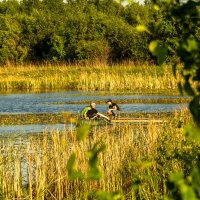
x,y
83,30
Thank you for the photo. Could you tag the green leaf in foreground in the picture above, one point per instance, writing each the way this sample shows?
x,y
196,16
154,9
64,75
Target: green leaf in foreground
x,y
195,109
190,45
142,28
83,131
156,7
192,132
196,180
101,195
180,188
158,50
188,88
94,172
71,168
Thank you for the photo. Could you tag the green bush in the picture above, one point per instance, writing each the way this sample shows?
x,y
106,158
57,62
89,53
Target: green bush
x,y
92,50
34,30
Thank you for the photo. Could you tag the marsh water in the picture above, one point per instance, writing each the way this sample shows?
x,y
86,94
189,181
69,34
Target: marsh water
x,y
57,102
19,105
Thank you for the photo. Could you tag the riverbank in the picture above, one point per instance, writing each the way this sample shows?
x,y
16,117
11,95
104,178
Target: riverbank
x,y
116,78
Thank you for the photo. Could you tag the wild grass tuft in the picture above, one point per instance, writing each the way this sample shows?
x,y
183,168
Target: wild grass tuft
x,y
126,77
136,162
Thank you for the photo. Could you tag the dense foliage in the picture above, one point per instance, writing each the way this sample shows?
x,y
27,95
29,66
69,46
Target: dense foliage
x,y
182,185
81,30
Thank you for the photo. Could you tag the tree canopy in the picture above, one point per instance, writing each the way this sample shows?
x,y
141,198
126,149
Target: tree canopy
x,y
82,30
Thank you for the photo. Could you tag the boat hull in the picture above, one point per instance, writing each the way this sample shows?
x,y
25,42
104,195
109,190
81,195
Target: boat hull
x,y
101,122
98,122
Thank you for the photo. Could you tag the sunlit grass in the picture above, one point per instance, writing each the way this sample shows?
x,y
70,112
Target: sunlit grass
x,y
145,154
62,118
126,77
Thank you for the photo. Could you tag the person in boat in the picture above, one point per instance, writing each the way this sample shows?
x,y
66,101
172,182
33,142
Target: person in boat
x,y
89,112
113,108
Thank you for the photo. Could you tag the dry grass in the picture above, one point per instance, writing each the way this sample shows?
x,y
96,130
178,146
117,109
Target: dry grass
x,y
102,78
36,168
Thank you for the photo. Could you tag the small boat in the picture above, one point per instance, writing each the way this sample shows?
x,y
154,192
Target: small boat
x,y
93,122
137,120
103,121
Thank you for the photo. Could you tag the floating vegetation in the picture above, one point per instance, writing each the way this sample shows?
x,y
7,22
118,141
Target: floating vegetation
x,y
19,119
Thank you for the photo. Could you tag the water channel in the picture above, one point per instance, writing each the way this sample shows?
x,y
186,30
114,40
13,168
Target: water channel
x,y
57,102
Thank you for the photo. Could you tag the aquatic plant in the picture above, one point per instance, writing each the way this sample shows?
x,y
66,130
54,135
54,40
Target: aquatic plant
x,y
135,163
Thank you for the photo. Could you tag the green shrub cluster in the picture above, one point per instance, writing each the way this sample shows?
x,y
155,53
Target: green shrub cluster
x,y
80,30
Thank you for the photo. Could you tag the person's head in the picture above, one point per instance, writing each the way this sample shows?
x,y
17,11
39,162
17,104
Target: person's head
x,y
93,105
109,102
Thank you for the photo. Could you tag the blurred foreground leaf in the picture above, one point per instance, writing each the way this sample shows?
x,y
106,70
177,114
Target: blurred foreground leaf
x,y
101,195
192,133
180,188
156,7
142,28
195,109
196,180
82,131
158,50
71,168
94,172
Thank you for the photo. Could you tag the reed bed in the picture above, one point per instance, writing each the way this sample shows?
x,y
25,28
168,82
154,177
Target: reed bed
x,y
35,167
148,78
166,100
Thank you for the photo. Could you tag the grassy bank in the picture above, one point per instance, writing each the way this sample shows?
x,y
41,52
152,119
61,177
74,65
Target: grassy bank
x,y
127,77
134,154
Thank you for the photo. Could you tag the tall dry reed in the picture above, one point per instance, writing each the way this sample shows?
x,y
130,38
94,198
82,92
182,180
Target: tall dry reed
x,y
37,167
98,77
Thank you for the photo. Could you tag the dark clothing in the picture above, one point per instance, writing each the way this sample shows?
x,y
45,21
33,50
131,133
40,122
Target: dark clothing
x,y
116,109
113,105
91,113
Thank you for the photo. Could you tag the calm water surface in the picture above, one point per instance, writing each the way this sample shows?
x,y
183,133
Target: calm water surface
x,y
47,103
34,128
